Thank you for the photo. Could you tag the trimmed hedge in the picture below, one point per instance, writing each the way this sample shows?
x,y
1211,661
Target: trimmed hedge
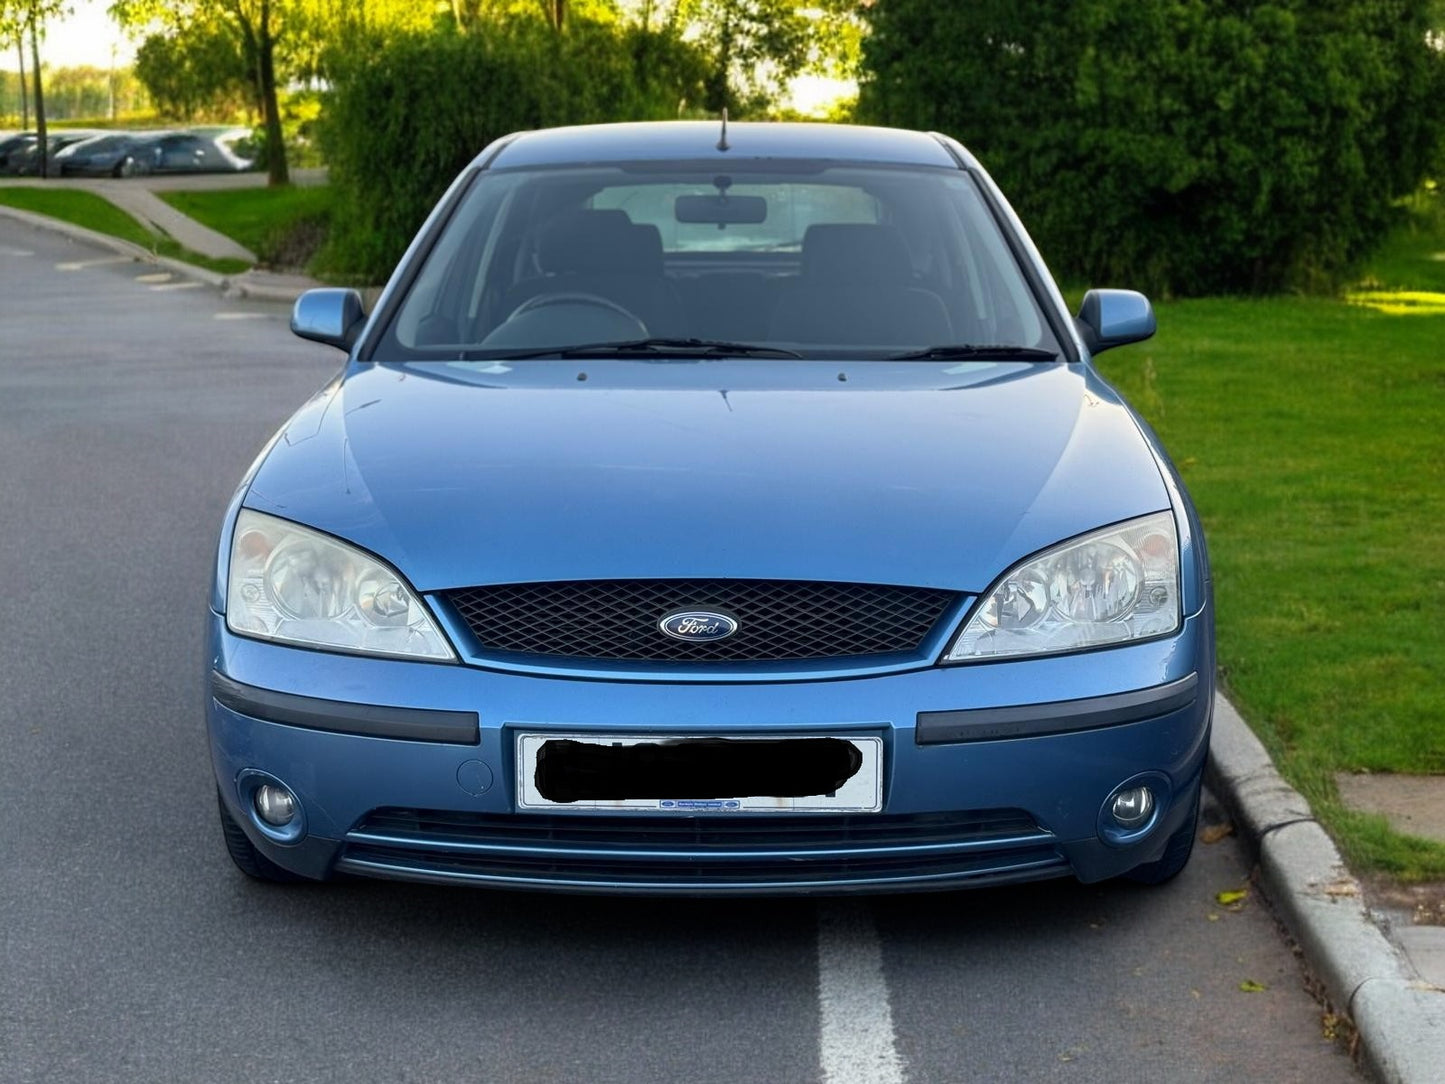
x,y
405,117
1180,146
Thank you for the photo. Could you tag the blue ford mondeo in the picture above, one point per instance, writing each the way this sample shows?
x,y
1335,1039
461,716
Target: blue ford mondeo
x,y
714,509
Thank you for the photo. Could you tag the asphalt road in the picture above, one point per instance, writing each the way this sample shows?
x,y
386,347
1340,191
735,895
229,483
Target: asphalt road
x,y
133,951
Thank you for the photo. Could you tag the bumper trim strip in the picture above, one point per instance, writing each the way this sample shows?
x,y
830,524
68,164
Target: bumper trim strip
x,y
1057,717
368,720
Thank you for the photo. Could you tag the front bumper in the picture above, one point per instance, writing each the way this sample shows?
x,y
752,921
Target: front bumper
x,y
991,773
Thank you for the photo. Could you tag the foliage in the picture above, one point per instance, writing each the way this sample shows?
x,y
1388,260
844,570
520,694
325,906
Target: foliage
x,y
404,120
255,26
1186,146
16,16
198,71
756,46
20,19
467,15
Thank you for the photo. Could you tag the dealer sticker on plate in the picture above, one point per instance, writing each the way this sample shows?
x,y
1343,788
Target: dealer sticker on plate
x,y
794,773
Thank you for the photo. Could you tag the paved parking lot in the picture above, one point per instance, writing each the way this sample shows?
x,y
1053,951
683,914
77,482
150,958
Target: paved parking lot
x,y
130,403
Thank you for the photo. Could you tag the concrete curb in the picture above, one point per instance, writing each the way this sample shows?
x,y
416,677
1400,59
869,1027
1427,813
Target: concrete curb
x,y
245,285
80,233
1400,1018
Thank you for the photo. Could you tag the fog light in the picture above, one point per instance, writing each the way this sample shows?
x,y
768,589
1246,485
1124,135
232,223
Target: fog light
x,y
1132,807
275,805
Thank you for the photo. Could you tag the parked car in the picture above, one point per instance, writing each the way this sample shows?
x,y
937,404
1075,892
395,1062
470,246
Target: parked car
x,y
114,154
25,161
191,152
13,145
714,509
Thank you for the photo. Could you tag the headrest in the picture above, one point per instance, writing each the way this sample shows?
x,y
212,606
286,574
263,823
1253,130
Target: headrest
x,y
856,253
592,242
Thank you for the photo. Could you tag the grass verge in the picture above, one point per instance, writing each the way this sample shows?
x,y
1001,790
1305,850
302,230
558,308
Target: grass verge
x,y
1311,433
284,226
96,213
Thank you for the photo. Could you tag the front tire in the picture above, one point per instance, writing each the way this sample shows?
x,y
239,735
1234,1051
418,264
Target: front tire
x,y
1176,853
243,852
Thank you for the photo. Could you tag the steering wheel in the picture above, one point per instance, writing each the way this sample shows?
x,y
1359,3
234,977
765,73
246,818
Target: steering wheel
x,y
543,301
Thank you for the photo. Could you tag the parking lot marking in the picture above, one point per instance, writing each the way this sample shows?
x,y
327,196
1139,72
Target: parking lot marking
x,y
5,250
155,276
856,1041
238,315
176,286
104,261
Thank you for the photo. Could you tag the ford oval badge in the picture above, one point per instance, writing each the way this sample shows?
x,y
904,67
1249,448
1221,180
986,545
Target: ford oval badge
x,y
698,626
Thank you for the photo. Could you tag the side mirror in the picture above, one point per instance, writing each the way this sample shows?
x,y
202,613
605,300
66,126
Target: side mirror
x,y
329,316
1110,318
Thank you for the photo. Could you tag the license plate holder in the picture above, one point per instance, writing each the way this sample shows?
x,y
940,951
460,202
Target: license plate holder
x,y
635,772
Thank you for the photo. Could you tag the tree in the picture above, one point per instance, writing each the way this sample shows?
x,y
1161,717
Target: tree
x,y
468,14
16,32
1188,146
758,46
198,69
257,26
29,17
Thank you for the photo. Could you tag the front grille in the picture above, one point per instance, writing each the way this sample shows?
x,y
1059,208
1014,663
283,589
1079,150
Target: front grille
x,y
745,831
744,853
777,619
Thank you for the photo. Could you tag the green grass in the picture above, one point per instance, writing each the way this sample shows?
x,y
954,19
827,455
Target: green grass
x,y
1311,433
283,226
95,213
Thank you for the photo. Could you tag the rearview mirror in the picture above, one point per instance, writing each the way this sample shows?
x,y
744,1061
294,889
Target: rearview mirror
x,y
1110,318
721,210
331,316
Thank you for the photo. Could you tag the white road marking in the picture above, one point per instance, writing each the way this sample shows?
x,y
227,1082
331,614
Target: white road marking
x,y
5,250
155,276
238,315
856,1043
81,265
177,286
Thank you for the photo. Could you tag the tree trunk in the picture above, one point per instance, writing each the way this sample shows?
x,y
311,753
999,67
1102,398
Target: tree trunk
x,y
277,173
24,92
42,142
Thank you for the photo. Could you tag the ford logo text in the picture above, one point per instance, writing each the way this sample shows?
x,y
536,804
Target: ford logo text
x,y
698,626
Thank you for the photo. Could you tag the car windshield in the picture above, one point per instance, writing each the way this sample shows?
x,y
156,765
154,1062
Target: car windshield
x,y
697,259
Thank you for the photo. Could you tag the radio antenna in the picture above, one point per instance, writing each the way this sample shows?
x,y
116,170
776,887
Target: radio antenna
x,y
722,143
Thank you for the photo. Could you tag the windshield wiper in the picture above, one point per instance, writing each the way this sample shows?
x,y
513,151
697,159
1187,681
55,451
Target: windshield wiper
x,y
653,348
971,351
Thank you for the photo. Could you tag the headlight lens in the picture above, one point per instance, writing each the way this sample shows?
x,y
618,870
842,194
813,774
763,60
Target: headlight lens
x,y
298,586
1108,587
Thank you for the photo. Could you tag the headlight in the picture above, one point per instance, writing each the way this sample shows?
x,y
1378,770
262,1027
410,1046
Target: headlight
x,y
1108,587
298,586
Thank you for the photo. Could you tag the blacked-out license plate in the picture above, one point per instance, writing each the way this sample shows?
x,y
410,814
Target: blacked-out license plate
x,y
768,773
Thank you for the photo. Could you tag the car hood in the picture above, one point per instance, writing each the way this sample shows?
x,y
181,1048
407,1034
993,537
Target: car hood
x,y
909,473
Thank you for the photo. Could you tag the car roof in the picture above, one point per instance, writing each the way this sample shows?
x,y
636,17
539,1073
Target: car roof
x,y
690,140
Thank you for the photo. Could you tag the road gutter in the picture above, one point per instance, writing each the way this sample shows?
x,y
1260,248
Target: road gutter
x,y
1399,1017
